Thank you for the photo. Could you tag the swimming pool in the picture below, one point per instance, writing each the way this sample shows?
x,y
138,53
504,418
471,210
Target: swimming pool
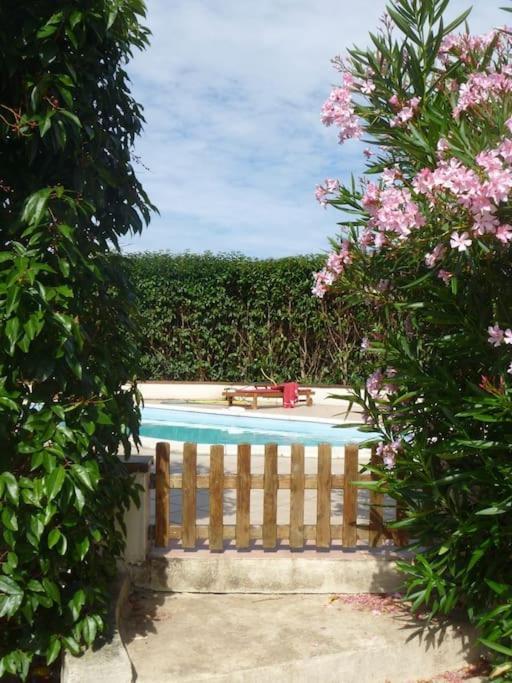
x,y
233,428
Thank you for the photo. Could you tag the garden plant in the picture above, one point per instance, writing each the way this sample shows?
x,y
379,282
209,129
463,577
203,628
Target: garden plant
x,y
68,192
229,318
424,258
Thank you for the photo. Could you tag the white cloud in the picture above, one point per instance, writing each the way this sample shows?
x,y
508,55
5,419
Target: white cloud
x,y
232,91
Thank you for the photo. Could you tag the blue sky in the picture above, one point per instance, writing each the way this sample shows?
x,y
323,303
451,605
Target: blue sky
x,y
233,146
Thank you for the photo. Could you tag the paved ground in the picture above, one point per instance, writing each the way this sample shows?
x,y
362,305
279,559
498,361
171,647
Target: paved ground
x,y
336,412
299,639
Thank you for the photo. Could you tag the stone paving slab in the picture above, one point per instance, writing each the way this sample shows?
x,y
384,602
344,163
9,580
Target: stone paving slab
x,y
285,638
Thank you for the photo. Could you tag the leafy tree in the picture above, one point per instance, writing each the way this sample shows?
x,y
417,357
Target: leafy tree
x,y
68,191
426,259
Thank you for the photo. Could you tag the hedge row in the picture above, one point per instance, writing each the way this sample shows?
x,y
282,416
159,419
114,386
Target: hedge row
x,y
231,318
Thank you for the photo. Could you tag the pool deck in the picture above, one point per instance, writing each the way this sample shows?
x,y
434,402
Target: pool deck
x,y
334,413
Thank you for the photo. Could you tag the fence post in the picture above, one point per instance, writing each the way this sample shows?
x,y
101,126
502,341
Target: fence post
x,y
162,485
350,496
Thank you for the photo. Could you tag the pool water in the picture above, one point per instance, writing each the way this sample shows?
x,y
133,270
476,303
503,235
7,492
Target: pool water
x,y
212,428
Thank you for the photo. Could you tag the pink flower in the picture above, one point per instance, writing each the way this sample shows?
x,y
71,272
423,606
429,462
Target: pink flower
x,y
482,88
504,233
496,335
442,146
435,255
323,280
374,383
489,161
367,87
460,241
388,453
508,336
322,192
406,113
510,369
364,343
445,276
339,110
366,238
508,124
368,153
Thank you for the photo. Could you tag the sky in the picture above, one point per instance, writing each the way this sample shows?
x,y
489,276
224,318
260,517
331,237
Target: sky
x,y
233,145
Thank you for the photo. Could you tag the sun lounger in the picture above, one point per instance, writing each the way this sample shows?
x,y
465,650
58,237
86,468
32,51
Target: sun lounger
x,y
270,391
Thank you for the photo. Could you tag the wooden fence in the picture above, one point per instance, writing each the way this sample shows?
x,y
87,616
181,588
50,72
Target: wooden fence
x,y
269,532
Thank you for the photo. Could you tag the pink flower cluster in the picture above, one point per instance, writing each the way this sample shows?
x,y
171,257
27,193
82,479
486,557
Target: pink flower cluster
x,y
378,386
335,264
404,112
392,210
322,192
481,88
338,110
497,337
388,453
479,193
463,45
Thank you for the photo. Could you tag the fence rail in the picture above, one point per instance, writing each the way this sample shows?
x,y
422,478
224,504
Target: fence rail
x,y
296,532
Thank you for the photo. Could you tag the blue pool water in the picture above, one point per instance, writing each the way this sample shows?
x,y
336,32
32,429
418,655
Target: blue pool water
x,y
211,428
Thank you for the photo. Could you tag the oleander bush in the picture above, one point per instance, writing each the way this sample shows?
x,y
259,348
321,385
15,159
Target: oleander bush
x,y
424,257
67,193
230,318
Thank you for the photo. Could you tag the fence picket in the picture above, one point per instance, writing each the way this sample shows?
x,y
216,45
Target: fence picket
x,y
351,468
376,503
243,496
323,497
162,504
189,495
270,497
216,527
297,498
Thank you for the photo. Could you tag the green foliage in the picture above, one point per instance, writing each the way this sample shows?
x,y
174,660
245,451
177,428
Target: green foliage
x,y
442,395
231,318
67,193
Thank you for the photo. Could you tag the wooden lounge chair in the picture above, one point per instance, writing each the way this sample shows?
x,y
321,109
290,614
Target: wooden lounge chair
x,y
269,391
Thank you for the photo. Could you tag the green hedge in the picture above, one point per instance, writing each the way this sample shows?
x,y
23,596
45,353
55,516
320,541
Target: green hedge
x,y
231,318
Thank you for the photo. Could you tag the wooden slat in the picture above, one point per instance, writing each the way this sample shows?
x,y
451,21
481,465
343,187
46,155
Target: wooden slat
x,y
400,535
162,506
215,535
189,495
256,532
350,496
323,500
257,481
270,498
243,496
375,536
297,497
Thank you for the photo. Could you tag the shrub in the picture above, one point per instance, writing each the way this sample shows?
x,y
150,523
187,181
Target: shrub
x,y
230,318
426,259
67,192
